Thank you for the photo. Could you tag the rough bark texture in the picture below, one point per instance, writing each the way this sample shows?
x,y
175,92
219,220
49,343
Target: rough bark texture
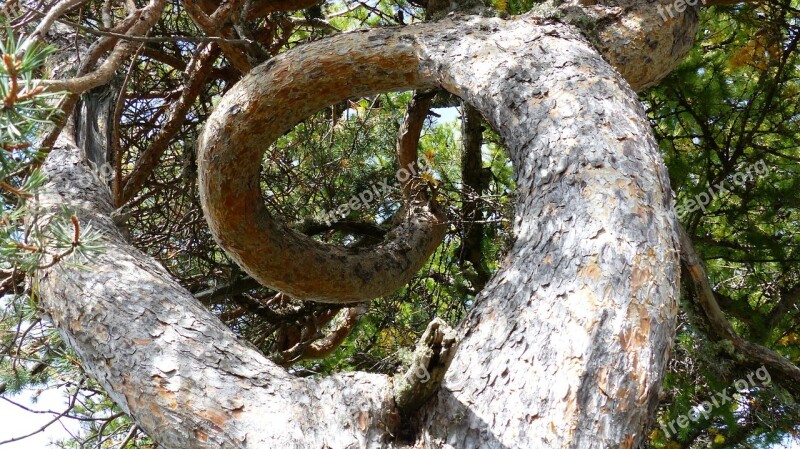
x,y
580,320
565,347
185,378
634,36
432,357
229,158
94,120
631,36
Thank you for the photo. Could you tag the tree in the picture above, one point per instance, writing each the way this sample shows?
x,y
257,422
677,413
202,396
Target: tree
x,y
571,335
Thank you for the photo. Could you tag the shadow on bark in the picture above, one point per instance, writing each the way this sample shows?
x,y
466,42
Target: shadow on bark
x,y
564,348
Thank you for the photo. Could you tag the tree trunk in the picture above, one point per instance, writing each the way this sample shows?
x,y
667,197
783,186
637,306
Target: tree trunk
x,y
565,347
180,373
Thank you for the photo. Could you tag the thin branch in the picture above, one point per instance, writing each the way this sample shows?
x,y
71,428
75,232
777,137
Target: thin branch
x,y
37,369
14,190
262,8
131,434
103,74
44,26
44,427
727,2
213,25
67,104
196,73
234,288
326,346
153,39
115,121
756,355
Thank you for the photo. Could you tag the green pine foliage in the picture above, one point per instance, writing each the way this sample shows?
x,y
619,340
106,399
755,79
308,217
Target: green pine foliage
x,y
732,106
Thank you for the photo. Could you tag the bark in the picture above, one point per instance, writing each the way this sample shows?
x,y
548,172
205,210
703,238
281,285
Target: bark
x,y
471,191
94,119
587,300
633,36
565,347
214,24
229,155
410,132
183,376
146,18
246,123
430,361
334,339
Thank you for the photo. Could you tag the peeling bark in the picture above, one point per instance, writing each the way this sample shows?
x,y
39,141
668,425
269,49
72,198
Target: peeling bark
x,y
633,36
430,361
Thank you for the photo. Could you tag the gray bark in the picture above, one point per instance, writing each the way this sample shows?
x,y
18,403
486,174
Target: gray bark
x,y
565,347
179,372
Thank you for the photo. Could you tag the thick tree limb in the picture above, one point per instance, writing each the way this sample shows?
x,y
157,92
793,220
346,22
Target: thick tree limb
x,y
621,30
471,190
183,376
576,326
411,130
313,271
587,300
755,355
230,153
90,58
